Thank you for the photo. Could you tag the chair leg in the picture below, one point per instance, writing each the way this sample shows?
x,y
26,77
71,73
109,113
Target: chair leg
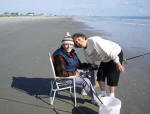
x,y
75,102
52,101
51,98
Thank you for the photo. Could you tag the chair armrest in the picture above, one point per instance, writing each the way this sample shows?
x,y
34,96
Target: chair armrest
x,y
70,77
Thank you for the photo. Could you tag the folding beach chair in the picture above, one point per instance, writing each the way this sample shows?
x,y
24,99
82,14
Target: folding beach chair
x,y
58,85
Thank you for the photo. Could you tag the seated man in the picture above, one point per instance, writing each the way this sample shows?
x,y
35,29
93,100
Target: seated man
x,y
66,63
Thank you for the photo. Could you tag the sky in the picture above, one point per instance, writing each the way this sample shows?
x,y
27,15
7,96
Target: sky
x,y
78,7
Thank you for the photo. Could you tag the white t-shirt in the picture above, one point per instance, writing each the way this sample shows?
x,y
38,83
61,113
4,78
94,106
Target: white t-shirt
x,y
102,50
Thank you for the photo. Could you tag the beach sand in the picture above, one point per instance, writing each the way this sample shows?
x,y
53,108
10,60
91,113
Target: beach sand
x,y
25,73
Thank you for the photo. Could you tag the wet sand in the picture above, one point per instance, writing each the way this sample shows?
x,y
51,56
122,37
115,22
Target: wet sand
x,y
25,72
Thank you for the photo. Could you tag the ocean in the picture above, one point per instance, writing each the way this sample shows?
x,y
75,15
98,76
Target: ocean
x,y
131,33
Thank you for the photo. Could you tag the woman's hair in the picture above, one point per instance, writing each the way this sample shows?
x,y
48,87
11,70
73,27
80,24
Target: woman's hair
x,y
76,35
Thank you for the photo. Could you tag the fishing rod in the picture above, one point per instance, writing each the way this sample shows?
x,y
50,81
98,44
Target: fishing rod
x,y
130,58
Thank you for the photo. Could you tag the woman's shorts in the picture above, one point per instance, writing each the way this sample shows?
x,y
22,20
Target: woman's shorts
x,y
109,70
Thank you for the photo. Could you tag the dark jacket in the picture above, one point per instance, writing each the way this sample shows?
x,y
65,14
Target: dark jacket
x,y
66,64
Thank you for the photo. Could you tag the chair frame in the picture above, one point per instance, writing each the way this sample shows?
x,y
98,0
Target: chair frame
x,y
59,85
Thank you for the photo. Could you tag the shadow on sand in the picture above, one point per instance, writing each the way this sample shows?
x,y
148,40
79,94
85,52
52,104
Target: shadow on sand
x,y
38,87
32,86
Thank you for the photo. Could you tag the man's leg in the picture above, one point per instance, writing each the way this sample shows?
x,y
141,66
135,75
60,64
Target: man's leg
x,y
112,91
102,87
101,75
113,76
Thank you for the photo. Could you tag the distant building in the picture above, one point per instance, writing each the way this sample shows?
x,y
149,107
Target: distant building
x,y
6,13
14,13
30,13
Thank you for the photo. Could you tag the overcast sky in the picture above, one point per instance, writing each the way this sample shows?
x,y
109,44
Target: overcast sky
x,y
79,7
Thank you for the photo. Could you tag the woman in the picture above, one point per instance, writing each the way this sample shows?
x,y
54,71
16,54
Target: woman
x,y
66,63
110,56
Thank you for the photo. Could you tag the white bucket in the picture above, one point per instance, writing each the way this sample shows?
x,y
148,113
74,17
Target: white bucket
x,y
110,105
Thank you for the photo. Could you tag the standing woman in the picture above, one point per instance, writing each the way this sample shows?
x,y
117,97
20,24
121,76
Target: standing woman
x,y
110,56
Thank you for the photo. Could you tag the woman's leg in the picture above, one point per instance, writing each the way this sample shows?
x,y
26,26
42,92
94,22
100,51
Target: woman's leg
x,y
87,86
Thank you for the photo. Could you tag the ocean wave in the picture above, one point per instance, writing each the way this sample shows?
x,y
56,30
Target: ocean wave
x,y
130,23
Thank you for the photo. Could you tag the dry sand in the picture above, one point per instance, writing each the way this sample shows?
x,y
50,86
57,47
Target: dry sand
x,y
24,69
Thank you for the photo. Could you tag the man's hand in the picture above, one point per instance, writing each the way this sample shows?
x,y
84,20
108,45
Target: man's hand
x,y
120,67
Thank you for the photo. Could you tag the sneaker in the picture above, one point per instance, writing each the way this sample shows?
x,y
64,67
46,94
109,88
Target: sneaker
x,y
83,92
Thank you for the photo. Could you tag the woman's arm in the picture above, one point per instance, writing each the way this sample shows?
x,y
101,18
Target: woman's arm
x,y
60,67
